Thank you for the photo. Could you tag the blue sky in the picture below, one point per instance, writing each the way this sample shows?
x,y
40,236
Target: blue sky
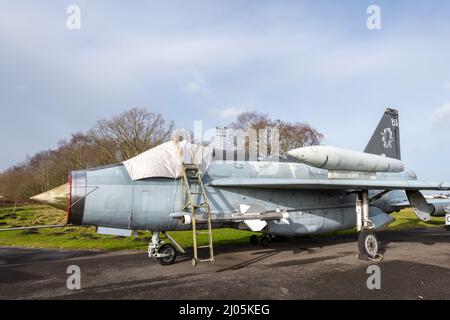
x,y
312,61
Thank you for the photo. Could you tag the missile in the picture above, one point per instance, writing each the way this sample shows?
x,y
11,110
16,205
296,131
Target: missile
x,y
231,218
332,158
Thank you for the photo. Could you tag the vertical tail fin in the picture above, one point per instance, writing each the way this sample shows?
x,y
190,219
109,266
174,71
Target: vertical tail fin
x,y
386,138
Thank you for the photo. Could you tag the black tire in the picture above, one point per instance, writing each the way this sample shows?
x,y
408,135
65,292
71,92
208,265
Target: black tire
x,y
254,239
368,244
265,240
172,254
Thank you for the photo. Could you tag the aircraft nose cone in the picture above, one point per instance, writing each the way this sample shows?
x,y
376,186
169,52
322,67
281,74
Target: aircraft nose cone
x,y
56,197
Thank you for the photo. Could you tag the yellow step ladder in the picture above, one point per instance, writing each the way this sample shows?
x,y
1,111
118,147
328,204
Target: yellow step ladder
x,y
191,177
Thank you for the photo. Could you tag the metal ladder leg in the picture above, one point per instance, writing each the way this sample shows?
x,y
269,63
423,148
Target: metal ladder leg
x,y
208,215
191,171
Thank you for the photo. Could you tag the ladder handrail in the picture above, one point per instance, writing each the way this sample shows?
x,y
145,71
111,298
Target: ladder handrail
x,y
186,189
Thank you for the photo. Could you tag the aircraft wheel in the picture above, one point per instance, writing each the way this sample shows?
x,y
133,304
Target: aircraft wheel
x,y
194,262
265,240
254,240
171,252
368,244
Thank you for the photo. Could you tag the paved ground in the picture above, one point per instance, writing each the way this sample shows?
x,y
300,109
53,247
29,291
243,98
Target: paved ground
x,y
416,266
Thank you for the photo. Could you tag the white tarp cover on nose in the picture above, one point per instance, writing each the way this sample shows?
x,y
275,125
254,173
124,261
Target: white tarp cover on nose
x,y
164,160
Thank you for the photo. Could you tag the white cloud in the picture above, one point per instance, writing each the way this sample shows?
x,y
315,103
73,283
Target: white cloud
x,y
441,115
226,113
180,59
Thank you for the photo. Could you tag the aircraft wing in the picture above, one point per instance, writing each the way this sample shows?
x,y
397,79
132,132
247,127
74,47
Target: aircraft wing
x,y
330,184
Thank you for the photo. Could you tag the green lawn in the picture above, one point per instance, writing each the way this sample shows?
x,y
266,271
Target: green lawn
x,y
87,238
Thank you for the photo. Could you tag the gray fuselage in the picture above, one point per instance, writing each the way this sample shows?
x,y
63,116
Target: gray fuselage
x,y
108,197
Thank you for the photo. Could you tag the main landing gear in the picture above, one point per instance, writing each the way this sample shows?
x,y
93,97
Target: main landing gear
x,y
165,253
264,240
368,243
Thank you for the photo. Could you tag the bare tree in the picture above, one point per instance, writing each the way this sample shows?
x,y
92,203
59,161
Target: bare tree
x,y
123,137
296,135
251,120
290,135
80,152
129,134
14,183
250,124
111,141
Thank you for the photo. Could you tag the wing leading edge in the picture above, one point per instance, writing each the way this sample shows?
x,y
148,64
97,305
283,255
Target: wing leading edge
x,y
330,184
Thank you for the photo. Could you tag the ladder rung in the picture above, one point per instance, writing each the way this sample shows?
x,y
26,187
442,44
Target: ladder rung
x,y
204,260
202,232
203,247
200,206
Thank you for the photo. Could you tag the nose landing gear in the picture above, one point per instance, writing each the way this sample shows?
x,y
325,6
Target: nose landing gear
x,y
165,253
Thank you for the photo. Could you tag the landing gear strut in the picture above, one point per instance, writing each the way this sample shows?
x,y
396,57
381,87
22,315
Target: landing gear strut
x,y
165,253
368,244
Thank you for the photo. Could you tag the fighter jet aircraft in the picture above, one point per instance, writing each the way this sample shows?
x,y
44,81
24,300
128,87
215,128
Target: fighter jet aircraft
x,y
182,186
